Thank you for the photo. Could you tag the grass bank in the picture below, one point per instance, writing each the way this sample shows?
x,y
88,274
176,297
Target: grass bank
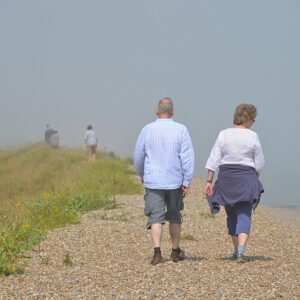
x,y
43,188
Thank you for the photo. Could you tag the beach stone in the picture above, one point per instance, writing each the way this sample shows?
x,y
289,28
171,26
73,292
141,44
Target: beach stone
x,y
111,251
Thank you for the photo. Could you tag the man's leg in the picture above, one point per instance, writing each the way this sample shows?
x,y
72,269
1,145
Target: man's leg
x,y
156,231
155,210
175,232
177,254
173,215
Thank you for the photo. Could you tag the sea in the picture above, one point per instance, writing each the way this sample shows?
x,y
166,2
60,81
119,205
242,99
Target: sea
x,y
281,189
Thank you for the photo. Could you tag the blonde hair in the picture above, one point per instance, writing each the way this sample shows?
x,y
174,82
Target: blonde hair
x,y
243,113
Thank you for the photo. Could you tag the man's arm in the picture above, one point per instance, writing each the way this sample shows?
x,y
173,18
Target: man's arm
x,y
139,155
187,158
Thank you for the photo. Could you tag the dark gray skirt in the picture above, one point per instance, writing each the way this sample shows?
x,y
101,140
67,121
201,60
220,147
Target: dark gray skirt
x,y
235,183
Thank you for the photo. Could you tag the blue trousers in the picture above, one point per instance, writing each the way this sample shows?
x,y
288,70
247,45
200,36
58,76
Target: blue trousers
x,y
239,217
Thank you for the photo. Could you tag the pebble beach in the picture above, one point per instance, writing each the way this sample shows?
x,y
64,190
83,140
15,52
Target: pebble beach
x,y
107,256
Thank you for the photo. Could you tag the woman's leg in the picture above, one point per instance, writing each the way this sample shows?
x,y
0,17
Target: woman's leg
x,y
244,212
93,153
235,242
242,239
88,150
231,226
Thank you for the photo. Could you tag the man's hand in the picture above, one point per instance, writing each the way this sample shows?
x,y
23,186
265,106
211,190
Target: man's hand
x,y
184,190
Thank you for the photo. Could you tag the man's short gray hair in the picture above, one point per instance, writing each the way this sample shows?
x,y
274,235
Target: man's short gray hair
x,y
165,106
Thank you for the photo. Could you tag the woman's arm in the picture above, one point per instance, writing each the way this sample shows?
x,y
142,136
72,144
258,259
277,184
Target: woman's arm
x,y
259,159
208,186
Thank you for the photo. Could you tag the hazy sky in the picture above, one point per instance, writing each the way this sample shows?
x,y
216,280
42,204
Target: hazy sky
x,y
107,63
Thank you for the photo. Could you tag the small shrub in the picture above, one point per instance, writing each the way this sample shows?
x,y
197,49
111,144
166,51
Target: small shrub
x,y
88,200
45,260
207,215
115,217
67,259
112,154
188,237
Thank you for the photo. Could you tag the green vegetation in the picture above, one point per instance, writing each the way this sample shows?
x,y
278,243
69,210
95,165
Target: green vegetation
x,y
188,237
207,215
43,188
67,259
116,217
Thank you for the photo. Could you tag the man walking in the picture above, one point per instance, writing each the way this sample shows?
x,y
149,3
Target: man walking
x,y
48,133
164,160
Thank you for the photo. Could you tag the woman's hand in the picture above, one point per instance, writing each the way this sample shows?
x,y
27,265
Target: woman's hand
x,y
208,189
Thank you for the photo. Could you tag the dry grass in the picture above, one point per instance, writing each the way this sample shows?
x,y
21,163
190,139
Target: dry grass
x,y
43,188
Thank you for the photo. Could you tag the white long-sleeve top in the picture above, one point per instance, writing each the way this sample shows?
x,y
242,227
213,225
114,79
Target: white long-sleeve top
x,y
90,137
236,146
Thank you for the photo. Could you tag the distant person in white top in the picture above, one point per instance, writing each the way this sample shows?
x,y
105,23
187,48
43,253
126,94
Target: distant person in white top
x,y
238,155
91,142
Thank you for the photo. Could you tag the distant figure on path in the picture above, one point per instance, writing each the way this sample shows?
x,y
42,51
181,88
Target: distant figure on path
x,y
238,155
54,139
49,131
91,142
164,160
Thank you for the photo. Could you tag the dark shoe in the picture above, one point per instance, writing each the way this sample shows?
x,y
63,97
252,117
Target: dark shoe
x,y
240,258
177,256
156,259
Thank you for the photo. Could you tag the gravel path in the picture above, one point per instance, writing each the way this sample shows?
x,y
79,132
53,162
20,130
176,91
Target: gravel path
x,y
107,257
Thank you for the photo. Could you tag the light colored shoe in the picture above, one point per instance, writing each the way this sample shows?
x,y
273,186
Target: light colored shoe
x,y
240,258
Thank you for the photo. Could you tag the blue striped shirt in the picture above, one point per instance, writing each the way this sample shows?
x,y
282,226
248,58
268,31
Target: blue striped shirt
x,y
164,155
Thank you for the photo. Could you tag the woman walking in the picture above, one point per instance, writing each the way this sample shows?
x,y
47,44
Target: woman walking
x,y
91,141
238,155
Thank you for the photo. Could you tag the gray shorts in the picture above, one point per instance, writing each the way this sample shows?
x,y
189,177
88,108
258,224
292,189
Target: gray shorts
x,y
163,205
